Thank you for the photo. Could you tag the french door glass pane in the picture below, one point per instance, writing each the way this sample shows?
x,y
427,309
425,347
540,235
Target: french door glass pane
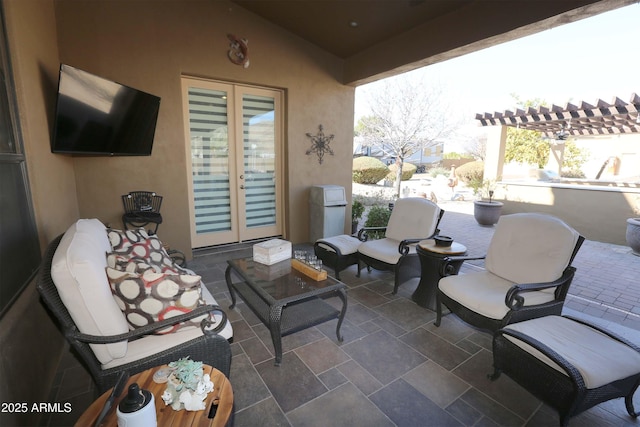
x,y
259,143
208,129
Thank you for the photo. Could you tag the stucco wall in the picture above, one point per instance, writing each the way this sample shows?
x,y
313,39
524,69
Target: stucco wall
x,y
34,54
598,213
30,344
149,45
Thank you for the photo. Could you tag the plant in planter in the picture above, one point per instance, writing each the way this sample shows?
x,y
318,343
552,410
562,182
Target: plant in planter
x,y
633,230
357,209
486,212
187,385
633,235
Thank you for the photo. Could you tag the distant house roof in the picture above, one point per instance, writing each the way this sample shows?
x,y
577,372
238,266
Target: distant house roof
x,y
557,122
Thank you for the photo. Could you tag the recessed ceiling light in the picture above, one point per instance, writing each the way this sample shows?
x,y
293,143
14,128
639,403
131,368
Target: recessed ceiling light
x,y
353,24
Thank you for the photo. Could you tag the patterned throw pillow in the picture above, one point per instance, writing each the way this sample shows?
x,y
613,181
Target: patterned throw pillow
x,y
138,245
150,297
122,240
134,264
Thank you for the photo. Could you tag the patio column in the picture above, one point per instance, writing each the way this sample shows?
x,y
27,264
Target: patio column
x,y
494,157
556,156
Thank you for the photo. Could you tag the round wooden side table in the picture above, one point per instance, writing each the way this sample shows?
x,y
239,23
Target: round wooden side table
x,y
431,259
165,414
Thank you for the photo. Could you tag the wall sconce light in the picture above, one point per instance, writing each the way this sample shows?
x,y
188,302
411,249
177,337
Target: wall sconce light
x,y
320,144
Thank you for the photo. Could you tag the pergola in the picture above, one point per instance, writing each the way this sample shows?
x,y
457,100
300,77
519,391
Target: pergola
x,y
581,119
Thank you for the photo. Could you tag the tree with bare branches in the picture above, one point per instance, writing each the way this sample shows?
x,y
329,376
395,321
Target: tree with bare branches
x,y
406,116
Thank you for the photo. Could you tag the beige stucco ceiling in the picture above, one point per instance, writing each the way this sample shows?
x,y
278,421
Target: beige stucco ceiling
x,y
394,36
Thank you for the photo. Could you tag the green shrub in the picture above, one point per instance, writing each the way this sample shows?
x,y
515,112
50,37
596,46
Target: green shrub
x,y
572,173
368,170
378,216
408,170
357,209
472,174
376,196
439,170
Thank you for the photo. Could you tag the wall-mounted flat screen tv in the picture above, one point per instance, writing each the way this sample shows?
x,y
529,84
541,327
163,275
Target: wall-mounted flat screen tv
x,y
95,116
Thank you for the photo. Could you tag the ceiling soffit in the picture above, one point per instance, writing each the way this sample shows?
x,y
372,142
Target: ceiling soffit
x,y
346,27
395,36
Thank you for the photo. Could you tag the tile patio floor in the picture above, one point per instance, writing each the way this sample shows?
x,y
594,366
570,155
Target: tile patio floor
x,y
394,367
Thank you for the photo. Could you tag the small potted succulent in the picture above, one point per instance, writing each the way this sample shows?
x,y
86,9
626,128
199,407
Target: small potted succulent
x,y
187,385
357,209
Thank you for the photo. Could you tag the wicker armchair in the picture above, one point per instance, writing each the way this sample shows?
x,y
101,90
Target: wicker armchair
x,y
210,348
413,219
527,274
142,208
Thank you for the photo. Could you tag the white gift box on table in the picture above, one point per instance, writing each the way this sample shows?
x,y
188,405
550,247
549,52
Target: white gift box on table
x,y
272,251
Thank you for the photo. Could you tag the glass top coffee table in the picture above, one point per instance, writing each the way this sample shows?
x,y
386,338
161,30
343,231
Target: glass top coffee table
x,y
284,299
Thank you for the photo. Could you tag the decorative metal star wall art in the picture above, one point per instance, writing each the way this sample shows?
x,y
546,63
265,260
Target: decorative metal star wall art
x,y
320,144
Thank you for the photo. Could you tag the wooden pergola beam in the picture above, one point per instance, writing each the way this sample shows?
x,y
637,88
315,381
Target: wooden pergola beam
x,y
582,118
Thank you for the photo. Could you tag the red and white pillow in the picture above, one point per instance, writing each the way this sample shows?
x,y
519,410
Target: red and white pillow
x,y
138,244
150,297
147,285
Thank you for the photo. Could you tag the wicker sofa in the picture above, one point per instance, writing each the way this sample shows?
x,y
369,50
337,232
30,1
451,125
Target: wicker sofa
x,y
74,286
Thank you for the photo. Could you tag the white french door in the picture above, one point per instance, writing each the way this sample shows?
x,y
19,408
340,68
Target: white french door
x,y
234,146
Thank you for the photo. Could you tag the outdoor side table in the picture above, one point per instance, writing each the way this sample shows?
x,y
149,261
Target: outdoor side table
x,y
166,416
431,261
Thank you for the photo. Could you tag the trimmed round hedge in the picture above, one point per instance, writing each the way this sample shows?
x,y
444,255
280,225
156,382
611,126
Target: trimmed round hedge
x,y
368,170
408,169
471,173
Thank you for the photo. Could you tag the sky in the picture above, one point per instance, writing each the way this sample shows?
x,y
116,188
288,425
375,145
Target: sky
x,y
594,58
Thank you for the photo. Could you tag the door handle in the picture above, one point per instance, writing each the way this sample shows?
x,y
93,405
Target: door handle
x,y
242,187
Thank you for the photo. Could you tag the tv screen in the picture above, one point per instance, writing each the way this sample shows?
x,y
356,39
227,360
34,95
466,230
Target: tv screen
x,y
95,116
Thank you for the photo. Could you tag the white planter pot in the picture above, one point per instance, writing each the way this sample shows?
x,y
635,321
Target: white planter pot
x,y
633,235
487,213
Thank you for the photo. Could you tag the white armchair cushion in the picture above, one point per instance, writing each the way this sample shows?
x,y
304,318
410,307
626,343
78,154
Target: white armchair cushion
x,y
78,271
484,293
530,248
413,218
599,358
385,250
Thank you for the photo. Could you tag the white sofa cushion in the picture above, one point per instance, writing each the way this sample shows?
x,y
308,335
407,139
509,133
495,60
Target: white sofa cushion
x,y
78,271
484,293
413,218
530,248
599,358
